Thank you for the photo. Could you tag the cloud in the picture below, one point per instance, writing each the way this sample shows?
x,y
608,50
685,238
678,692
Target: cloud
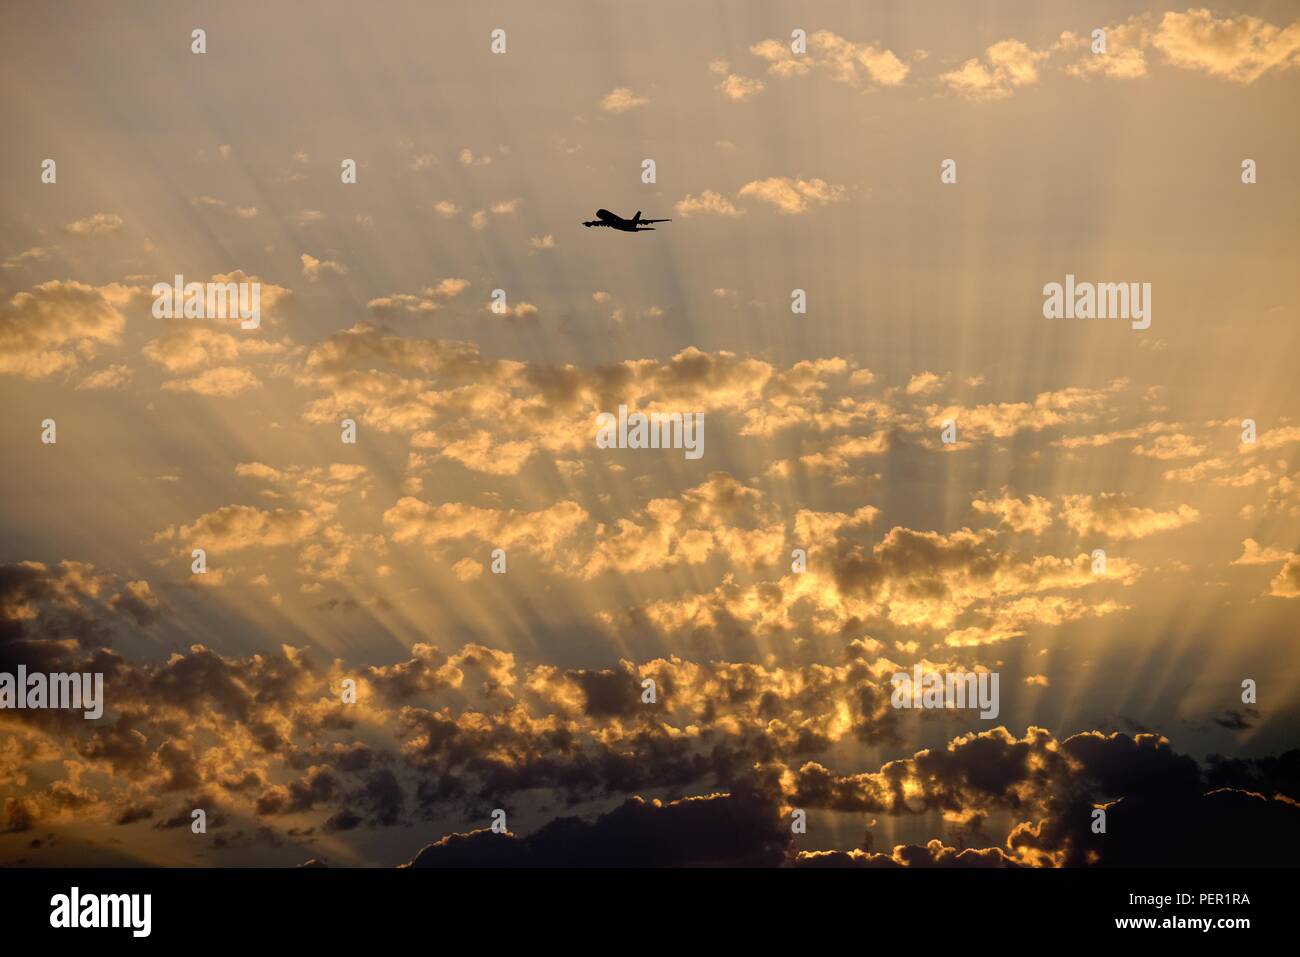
x,y
309,485
1172,446
39,328
100,224
449,287
792,196
738,88
923,383
221,206
1124,59
186,345
1109,516
733,85
467,570
961,586
719,830
1157,806
934,854
525,691
540,532
37,254
1007,65
233,528
862,65
707,203
1253,554
1032,515
1240,48
314,269
621,99
263,737
429,300
1005,419
1286,584
720,516
508,207
834,459
520,310
112,377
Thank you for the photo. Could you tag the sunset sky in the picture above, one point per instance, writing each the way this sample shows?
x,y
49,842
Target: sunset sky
x,y
476,431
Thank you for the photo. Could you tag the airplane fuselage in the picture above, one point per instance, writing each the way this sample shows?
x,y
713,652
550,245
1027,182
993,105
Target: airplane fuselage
x,y
618,222
614,221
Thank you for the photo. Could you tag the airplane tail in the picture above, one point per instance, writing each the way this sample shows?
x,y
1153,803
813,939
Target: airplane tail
x,y
637,217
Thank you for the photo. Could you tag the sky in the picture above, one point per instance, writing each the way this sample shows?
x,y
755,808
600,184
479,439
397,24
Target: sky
x,y
1076,505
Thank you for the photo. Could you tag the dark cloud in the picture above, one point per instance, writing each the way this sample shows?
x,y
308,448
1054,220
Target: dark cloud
x,y
259,738
933,854
1275,774
1235,720
609,694
743,829
132,813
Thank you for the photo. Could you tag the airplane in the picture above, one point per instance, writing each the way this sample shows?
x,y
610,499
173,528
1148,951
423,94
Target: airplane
x,y
634,225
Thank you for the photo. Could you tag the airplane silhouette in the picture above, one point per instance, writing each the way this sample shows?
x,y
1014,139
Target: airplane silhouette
x,y
634,225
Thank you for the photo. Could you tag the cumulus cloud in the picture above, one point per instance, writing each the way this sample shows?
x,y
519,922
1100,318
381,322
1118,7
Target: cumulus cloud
x,y
315,269
855,64
1286,584
45,331
707,203
720,516
767,594
1069,406
112,377
100,224
185,346
430,299
540,532
264,738
1109,515
1006,65
735,86
1240,48
1125,56
235,527
621,99
791,195
1032,515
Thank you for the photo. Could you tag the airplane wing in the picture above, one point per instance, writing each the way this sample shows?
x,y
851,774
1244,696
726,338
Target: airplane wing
x,y
654,220
595,222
